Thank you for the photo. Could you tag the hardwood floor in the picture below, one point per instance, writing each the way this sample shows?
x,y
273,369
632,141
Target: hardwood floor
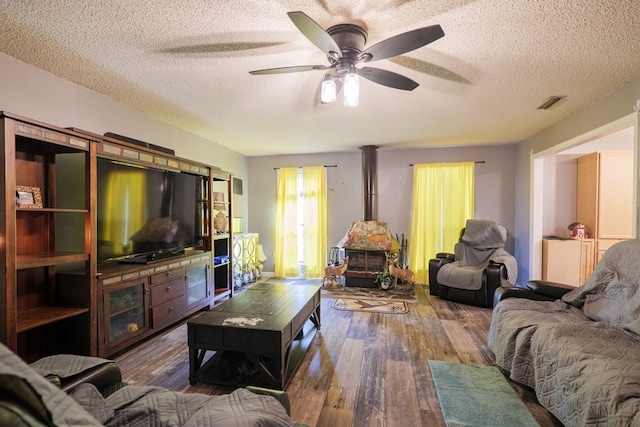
x,y
362,369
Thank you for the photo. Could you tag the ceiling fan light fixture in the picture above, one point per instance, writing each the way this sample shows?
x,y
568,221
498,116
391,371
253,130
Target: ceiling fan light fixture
x,y
344,45
328,90
351,88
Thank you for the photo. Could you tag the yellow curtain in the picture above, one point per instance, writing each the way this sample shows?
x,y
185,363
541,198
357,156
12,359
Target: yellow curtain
x,y
125,209
286,241
443,200
314,186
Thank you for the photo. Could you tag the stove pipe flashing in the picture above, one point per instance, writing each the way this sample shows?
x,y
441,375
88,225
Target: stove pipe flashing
x,y
370,182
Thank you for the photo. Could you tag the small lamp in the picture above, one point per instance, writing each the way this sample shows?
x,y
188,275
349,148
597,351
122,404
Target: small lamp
x,y
328,90
351,88
261,258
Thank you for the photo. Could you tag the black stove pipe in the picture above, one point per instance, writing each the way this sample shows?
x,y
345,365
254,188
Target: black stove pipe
x,y
370,182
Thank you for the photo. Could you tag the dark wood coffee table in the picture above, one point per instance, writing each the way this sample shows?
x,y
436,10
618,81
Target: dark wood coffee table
x,y
268,326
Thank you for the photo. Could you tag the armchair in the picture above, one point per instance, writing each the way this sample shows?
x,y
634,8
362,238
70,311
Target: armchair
x,y
478,266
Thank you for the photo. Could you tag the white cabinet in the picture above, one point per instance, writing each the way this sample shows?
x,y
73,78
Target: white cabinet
x,y
568,261
245,258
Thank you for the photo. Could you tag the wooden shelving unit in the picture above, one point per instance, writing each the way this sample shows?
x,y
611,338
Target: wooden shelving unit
x,y
48,287
54,296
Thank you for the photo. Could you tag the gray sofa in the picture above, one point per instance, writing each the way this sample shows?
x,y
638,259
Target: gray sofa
x,y
580,353
79,391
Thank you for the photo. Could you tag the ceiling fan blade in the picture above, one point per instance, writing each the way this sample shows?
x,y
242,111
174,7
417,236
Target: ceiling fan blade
x,y
294,69
315,33
387,78
402,43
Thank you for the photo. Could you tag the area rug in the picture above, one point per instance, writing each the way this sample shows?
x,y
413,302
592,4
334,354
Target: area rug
x,y
399,293
370,306
479,396
396,294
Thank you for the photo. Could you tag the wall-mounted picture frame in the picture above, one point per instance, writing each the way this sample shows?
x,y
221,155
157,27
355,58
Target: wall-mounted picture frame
x,y
28,197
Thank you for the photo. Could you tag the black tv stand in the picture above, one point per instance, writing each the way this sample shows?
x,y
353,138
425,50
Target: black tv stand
x,y
152,257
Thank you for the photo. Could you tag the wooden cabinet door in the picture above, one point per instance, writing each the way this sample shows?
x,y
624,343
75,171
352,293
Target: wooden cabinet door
x,y
615,195
567,261
126,314
198,285
587,192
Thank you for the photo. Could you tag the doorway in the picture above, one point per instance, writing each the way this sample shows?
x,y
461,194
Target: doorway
x,y
554,181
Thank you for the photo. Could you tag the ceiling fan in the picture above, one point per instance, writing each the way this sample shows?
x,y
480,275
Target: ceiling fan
x,y
344,45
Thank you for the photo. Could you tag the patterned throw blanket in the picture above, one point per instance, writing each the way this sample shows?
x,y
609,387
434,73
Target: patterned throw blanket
x,y
581,354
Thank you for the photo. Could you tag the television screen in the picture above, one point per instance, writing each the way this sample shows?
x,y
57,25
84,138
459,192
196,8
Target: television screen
x,y
145,211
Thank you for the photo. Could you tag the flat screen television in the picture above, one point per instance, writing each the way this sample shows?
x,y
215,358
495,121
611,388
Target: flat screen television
x,y
145,213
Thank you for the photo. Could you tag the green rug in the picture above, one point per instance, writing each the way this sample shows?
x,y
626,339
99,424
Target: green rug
x,y
478,396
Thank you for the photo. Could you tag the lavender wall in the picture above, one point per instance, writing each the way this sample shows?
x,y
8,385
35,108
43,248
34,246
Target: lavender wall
x,y
495,187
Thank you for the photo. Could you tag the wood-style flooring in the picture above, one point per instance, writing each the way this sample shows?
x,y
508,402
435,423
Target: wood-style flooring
x,y
362,369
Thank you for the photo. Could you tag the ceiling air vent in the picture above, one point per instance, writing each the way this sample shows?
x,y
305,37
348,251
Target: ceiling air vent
x,y
550,102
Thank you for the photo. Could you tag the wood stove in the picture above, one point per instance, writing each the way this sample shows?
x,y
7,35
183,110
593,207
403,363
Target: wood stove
x,y
367,242
364,266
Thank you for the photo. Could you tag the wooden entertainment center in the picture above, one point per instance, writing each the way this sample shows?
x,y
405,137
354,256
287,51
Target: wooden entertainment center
x,y
56,295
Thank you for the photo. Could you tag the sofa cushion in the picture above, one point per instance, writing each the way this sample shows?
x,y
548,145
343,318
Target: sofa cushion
x,y
514,322
588,374
455,275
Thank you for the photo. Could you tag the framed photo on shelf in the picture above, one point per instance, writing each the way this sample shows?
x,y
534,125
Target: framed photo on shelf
x,y
28,197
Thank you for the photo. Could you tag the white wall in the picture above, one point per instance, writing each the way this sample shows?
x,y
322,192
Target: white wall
x,y
560,183
36,94
495,187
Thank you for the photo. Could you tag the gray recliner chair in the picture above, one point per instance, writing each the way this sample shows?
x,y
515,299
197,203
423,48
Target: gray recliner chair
x,y
478,266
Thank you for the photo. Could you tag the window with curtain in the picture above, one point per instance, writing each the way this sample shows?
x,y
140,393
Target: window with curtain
x,y
301,222
443,200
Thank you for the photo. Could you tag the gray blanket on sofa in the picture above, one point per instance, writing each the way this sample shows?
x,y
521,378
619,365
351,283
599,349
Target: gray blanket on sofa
x,y
154,406
132,406
581,354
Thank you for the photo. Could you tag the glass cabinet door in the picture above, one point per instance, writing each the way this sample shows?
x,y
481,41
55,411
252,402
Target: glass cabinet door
x,y
197,284
127,311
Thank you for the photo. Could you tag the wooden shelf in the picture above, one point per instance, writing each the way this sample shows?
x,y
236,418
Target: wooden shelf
x,y
41,316
44,259
221,264
126,310
54,210
220,293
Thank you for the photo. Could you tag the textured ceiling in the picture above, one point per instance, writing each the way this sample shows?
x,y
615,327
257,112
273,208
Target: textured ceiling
x,y
188,62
